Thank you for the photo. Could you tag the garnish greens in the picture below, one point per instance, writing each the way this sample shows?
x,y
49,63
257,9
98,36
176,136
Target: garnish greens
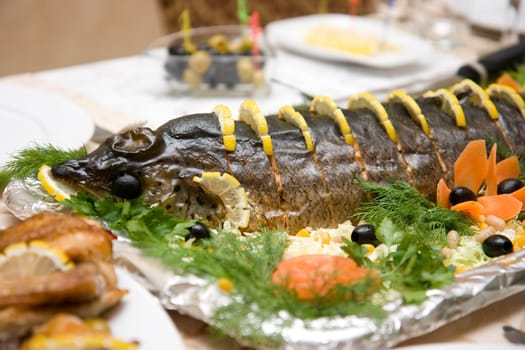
x,y
27,161
409,210
129,217
411,266
414,230
245,261
518,74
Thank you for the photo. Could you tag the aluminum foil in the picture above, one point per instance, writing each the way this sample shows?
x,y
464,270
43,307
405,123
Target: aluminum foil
x,y
472,290
197,297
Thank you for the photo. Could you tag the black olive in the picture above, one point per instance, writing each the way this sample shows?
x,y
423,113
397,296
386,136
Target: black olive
x,y
461,194
198,231
365,234
497,245
509,186
177,50
126,186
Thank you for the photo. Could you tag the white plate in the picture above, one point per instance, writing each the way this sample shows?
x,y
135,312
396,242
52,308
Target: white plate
x,y
460,346
30,116
290,34
141,317
491,14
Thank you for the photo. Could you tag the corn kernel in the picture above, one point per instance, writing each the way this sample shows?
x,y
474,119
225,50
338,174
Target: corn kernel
x,y
322,236
370,249
460,268
225,284
303,233
518,242
482,225
519,230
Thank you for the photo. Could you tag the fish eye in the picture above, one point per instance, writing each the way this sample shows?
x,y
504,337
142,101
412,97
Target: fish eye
x,y
126,186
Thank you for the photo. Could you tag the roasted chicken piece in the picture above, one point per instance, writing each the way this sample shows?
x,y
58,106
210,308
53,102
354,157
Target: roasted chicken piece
x,y
54,263
66,331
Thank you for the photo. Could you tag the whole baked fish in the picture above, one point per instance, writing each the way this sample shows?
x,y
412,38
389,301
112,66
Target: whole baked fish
x,y
298,168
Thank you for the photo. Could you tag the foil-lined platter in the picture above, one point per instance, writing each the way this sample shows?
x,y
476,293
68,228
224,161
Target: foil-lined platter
x,y
471,291
199,298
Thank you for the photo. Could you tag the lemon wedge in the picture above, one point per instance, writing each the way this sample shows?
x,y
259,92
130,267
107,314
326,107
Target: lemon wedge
x,y
59,190
23,259
289,114
479,97
400,96
231,194
449,105
508,94
326,106
368,101
227,124
249,113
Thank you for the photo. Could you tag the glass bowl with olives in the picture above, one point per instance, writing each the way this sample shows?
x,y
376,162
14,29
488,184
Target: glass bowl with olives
x,y
218,60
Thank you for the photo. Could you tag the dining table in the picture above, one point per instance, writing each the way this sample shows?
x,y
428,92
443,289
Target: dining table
x,y
134,90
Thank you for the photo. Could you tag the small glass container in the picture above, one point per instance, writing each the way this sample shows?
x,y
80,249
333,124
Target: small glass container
x,y
219,61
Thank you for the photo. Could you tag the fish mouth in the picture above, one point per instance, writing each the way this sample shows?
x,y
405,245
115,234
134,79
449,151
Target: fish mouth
x,y
71,170
74,174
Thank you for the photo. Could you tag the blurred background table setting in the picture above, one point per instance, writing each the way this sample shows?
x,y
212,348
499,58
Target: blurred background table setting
x,y
75,79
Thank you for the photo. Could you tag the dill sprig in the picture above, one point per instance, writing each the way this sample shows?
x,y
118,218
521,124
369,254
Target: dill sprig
x,y
407,208
26,162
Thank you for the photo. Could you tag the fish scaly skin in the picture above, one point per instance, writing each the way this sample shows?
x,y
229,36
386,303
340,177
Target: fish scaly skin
x,y
293,188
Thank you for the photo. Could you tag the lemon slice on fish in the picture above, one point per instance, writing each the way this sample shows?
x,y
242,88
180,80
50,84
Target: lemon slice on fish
x,y
326,106
411,106
231,194
227,124
479,97
249,113
289,114
59,190
23,259
449,105
368,101
77,342
507,94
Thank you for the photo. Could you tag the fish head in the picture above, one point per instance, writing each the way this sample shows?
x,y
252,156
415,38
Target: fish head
x,y
116,167
141,162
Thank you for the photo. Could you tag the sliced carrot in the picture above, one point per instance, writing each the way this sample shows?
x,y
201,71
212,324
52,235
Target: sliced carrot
x,y
508,168
519,195
504,206
317,276
470,167
471,208
442,194
491,181
507,80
